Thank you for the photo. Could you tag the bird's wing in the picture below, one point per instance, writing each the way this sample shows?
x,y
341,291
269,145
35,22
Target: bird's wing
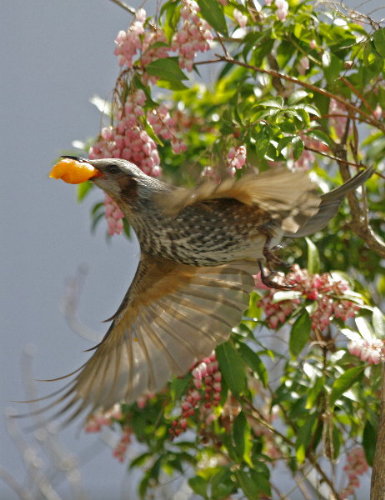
x,y
287,196
329,206
172,316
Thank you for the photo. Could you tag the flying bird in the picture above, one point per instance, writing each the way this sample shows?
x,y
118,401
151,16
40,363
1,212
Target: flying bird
x,y
199,250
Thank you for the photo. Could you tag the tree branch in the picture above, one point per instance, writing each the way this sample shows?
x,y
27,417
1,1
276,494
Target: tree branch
x,y
377,490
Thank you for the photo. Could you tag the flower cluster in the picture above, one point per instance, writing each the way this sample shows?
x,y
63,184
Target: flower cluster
x,y
356,465
193,36
127,139
202,397
236,158
326,292
120,449
139,41
99,420
368,350
114,216
165,127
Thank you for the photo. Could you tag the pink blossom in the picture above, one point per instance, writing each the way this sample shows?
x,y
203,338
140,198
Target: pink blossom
x,y
203,396
282,9
305,161
325,291
114,216
378,113
193,36
303,65
236,158
368,350
240,18
120,449
98,420
356,465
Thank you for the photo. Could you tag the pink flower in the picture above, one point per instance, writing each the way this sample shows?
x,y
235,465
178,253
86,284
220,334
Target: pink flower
x,y
120,449
114,216
193,36
282,9
303,65
369,351
236,158
203,396
325,291
356,465
378,113
240,18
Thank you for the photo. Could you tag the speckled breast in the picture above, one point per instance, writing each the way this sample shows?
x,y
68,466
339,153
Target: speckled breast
x,y
209,233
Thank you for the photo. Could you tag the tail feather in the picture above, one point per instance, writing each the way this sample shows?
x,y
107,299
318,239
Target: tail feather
x,y
330,203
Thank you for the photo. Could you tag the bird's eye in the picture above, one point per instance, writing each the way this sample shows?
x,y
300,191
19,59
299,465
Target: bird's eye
x,y
113,169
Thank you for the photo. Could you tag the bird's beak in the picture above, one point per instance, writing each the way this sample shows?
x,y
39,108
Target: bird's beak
x,y
74,170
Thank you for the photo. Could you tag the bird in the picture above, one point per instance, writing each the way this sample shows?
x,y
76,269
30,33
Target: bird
x,y
200,248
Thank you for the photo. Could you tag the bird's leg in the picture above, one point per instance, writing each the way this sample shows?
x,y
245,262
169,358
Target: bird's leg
x,y
271,257
272,260
267,279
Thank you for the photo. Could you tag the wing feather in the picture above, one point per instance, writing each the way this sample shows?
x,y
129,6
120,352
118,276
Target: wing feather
x,y
172,316
287,196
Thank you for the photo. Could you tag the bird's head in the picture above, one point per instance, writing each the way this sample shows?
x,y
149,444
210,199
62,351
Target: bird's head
x,y
119,178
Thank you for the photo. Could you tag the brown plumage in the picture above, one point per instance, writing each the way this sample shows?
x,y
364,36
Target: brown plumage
x,y
199,250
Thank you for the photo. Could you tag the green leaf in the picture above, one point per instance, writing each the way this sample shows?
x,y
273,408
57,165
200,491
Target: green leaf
x,y
300,333
379,41
241,438
248,484
199,485
378,322
254,362
369,439
212,11
344,382
297,145
171,85
333,67
83,189
232,367
167,69
313,260
178,387
304,437
221,484
365,328
321,136
314,391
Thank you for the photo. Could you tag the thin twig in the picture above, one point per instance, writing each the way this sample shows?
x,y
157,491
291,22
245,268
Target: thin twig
x,y
124,6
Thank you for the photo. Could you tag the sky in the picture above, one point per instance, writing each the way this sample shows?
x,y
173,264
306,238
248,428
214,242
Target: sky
x,y
54,56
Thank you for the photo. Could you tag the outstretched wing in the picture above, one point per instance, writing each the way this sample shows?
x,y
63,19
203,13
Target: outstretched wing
x,y
288,197
172,316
